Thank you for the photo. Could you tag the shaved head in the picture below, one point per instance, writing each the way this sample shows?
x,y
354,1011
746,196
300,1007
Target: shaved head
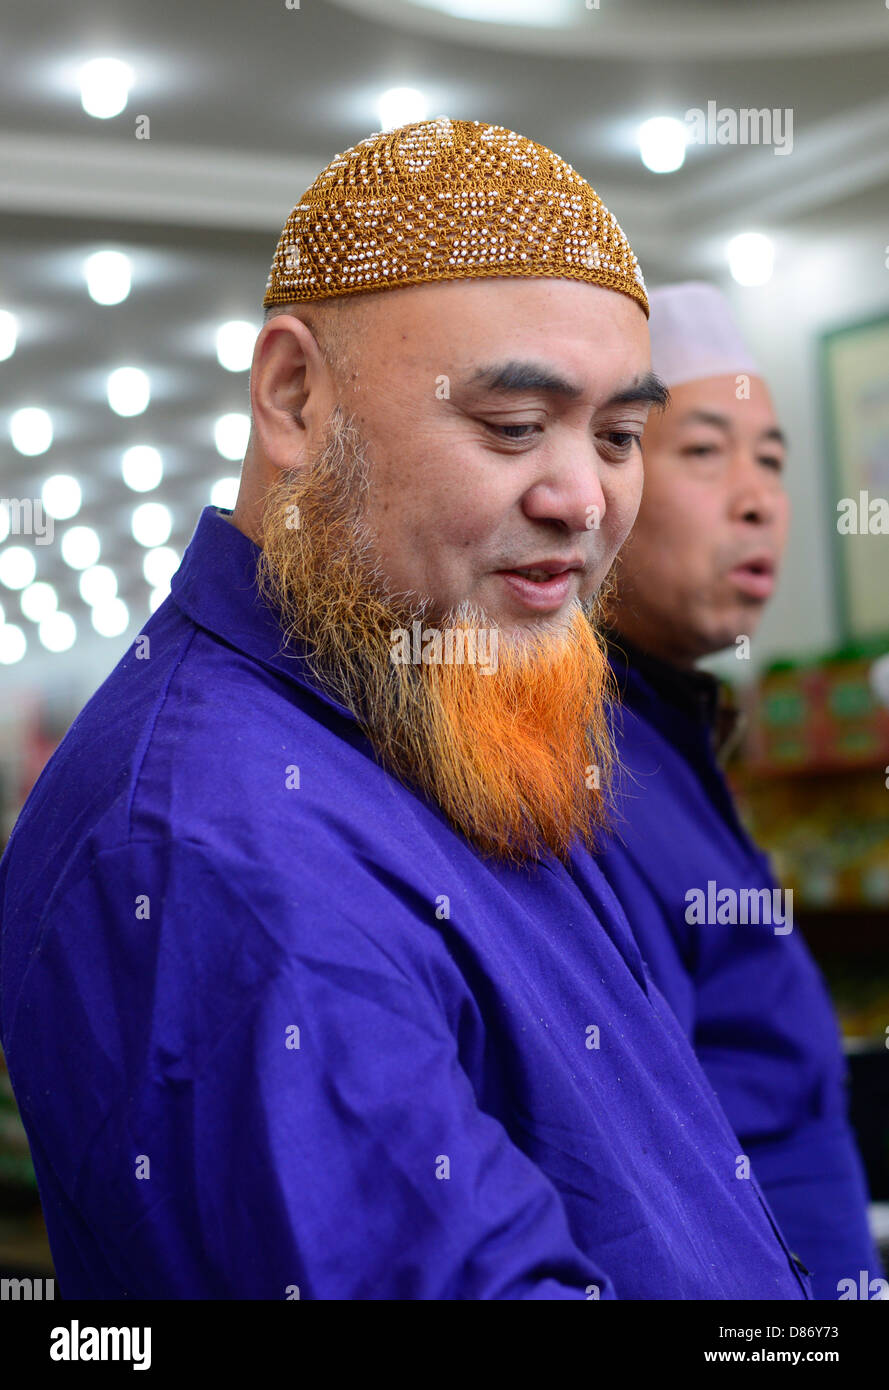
x,y
337,326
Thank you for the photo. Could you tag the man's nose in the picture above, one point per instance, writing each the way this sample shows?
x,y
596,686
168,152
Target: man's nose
x,y
568,495
755,489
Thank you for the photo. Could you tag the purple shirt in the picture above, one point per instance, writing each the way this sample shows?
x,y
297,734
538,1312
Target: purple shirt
x,y
750,997
272,1024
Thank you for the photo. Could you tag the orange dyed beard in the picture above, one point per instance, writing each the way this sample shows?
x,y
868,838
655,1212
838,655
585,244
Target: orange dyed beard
x,y
517,758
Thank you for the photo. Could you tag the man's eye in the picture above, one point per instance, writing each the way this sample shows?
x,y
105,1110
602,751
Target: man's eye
x,y
503,430
623,440
700,450
770,461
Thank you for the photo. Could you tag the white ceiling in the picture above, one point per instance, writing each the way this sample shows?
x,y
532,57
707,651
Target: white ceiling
x,y
247,102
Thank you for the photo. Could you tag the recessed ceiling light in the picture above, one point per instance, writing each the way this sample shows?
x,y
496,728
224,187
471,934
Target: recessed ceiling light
x,y
57,632
17,567
97,584
105,87
13,644
224,493
38,601
159,565
400,105
142,467
751,258
129,390
8,334
108,276
30,430
509,12
662,143
235,341
151,523
111,617
61,496
80,547
231,433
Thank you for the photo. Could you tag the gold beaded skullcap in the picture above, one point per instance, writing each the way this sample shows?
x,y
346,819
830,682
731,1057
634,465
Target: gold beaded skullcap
x,y
447,200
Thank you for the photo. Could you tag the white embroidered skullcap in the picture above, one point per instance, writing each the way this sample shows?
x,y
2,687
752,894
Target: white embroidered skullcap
x,y
694,334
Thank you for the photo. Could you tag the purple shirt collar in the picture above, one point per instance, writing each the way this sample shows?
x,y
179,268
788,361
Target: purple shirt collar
x,y
215,586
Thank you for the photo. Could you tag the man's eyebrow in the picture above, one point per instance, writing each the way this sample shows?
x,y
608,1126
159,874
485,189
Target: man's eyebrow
x,y
516,377
705,417
647,389
722,422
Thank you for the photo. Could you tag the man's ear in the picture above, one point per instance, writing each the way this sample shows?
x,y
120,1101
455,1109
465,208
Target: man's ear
x,y
290,390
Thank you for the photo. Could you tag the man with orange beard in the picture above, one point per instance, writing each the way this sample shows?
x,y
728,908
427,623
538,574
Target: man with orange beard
x,y
347,1011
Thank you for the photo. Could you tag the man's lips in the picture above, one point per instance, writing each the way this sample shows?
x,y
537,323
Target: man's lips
x,y
538,594
755,576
